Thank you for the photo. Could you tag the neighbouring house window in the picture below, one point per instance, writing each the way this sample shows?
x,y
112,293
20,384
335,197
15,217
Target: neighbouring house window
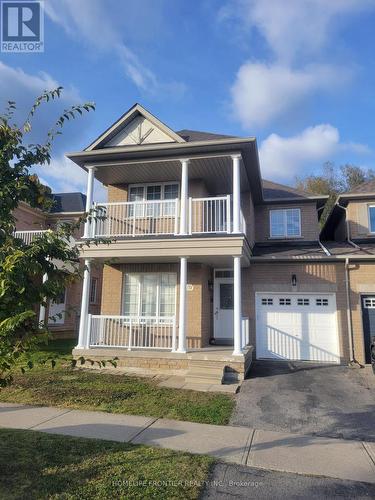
x,y
152,294
371,218
153,192
285,223
93,290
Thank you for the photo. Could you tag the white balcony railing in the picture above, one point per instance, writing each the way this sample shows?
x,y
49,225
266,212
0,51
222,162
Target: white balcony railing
x,y
132,332
210,215
136,218
158,217
29,236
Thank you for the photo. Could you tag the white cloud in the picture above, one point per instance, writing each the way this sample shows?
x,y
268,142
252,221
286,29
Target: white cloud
x,y
263,92
103,25
294,31
63,176
283,158
293,27
24,88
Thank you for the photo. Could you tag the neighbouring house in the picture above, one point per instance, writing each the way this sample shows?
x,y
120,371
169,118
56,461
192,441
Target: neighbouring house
x,y
350,231
207,265
62,316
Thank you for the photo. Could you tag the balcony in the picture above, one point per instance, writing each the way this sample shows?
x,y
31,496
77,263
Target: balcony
x,y
29,236
162,217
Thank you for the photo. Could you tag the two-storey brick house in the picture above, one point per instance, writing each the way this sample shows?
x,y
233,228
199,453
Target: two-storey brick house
x,y
61,316
207,264
350,231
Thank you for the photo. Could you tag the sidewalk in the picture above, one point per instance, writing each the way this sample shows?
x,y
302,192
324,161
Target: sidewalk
x,y
351,460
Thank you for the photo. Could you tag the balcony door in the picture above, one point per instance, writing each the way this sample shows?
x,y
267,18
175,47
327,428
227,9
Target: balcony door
x,y
223,306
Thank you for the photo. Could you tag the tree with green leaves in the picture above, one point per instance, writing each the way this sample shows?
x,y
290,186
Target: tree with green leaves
x,y
23,265
333,181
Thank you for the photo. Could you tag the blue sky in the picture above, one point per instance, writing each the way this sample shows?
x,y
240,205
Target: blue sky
x,y
299,75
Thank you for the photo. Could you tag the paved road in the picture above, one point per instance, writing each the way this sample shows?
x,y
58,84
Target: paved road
x,y
235,481
334,401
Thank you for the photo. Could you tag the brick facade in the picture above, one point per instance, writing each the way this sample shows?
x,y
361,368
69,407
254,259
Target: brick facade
x,y
199,302
309,222
362,281
31,219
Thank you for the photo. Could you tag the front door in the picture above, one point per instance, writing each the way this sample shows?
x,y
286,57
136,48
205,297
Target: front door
x,y
223,306
56,314
368,319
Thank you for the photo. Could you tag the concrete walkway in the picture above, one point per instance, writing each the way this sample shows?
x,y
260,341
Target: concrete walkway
x,y
350,460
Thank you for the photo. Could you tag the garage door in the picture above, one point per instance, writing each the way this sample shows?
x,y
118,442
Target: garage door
x,y
296,326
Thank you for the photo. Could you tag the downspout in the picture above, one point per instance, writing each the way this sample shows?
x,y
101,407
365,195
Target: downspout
x,y
349,316
348,228
325,250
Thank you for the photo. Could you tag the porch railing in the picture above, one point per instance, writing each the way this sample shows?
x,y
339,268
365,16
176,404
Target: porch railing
x,y
245,332
29,236
158,217
132,332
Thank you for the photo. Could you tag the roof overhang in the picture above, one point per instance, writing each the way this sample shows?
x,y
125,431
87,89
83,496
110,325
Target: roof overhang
x,y
150,155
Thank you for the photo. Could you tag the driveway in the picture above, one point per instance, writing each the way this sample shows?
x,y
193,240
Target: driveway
x,y
300,397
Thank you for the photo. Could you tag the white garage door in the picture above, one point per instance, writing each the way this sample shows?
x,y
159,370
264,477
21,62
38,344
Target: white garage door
x,y
296,326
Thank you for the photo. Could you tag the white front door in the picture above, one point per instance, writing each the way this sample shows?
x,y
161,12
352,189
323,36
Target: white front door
x,y
223,306
297,327
56,314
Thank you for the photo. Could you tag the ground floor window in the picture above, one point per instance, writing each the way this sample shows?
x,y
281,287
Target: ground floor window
x,y
149,294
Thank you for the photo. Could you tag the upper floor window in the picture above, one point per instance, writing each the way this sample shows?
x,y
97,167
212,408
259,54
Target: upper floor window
x,y
371,218
153,192
285,223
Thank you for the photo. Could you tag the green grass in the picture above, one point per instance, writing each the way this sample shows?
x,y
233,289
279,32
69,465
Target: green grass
x,y
94,390
36,465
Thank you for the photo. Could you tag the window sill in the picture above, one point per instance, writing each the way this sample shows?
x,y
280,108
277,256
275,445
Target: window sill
x,y
285,238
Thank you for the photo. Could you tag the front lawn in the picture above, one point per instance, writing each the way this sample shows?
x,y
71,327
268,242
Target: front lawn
x,y
94,390
41,466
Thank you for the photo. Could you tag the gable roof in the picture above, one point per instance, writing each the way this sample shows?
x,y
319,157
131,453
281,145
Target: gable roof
x,y
68,202
124,120
197,135
364,188
273,191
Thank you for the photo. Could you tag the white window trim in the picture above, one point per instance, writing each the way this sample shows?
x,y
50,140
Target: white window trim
x,y
285,236
139,301
144,197
369,219
161,184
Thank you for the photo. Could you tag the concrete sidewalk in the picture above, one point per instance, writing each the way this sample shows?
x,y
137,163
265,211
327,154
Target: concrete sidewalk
x,y
350,460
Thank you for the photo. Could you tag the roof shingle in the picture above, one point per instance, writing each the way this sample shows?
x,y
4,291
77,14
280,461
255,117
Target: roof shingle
x,y
197,135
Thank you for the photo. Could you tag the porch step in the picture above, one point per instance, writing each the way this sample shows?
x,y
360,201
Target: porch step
x,y
204,373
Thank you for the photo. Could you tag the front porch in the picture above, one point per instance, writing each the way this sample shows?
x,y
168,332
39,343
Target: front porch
x,y
211,365
180,317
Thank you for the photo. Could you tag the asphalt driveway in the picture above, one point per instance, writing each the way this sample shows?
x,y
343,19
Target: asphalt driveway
x,y
334,401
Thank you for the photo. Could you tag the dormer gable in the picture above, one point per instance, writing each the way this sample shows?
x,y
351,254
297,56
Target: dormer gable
x,y
136,127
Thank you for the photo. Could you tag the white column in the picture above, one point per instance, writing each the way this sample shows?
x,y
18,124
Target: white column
x,y
182,310
237,314
236,194
184,196
83,323
42,309
89,198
